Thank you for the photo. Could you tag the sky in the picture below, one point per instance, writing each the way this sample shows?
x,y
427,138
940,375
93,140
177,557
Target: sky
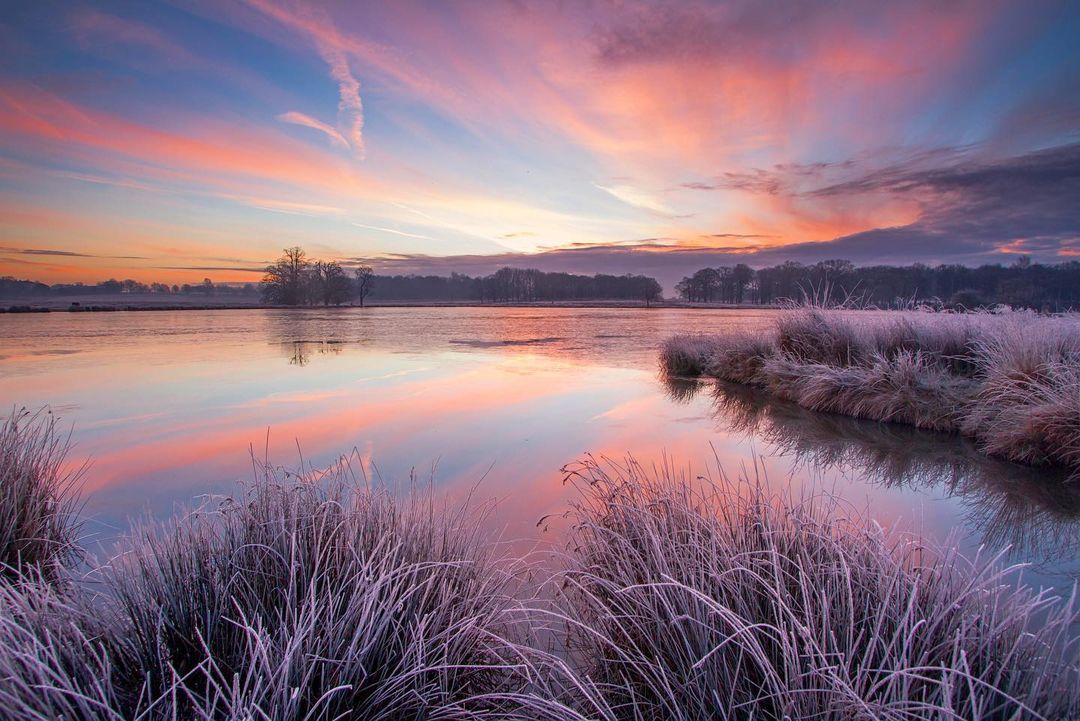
x,y
171,141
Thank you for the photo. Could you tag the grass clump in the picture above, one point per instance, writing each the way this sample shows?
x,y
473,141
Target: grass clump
x,y
309,596
1010,380
56,657
716,600
688,354
316,600
39,531
906,388
1027,406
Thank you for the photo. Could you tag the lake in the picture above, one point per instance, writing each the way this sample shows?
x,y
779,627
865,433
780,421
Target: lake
x,y
168,406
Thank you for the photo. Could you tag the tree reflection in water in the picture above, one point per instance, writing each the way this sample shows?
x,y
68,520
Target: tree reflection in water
x,y
299,351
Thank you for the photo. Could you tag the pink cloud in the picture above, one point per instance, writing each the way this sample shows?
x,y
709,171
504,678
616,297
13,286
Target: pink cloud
x,y
307,121
209,153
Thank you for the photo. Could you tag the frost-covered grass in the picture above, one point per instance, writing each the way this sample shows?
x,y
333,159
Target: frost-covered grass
x,y
57,656
715,600
1010,380
38,528
312,596
304,598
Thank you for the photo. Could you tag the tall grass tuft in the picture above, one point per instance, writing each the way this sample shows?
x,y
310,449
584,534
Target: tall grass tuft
x,y
1010,380
39,530
688,354
56,657
907,388
312,599
1028,404
714,600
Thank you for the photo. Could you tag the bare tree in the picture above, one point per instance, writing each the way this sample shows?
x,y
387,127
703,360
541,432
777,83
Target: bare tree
x,y
649,288
285,280
741,276
329,284
365,282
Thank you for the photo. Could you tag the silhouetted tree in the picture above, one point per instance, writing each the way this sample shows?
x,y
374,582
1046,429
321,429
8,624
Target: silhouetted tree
x,y
703,286
328,283
741,276
285,280
648,289
365,282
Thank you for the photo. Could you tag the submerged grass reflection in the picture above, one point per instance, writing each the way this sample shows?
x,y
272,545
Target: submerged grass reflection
x,y
1033,510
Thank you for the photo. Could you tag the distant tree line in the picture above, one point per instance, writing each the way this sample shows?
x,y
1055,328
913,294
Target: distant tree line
x,y
295,280
1022,284
15,288
524,285
518,285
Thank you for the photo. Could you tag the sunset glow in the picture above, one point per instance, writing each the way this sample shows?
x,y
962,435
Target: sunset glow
x,y
180,140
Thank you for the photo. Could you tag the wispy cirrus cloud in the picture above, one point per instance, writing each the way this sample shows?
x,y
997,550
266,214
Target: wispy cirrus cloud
x,y
93,27
67,253
392,231
46,251
318,27
76,131
350,106
298,118
208,268
290,207
636,197
739,236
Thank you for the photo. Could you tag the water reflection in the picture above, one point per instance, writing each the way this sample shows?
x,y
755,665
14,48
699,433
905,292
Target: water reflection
x,y
1034,510
299,352
166,406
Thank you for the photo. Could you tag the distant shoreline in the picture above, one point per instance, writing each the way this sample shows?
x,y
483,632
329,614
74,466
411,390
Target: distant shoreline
x,y
58,305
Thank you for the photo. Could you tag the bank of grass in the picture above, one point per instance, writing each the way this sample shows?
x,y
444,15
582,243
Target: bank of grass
x,y
308,596
312,596
1010,380
317,599
38,526
716,600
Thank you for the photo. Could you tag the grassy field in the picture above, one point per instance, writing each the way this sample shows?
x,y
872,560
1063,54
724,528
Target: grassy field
x,y
312,596
1009,380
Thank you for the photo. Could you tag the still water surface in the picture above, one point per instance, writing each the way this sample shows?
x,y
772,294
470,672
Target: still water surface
x,y
168,405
